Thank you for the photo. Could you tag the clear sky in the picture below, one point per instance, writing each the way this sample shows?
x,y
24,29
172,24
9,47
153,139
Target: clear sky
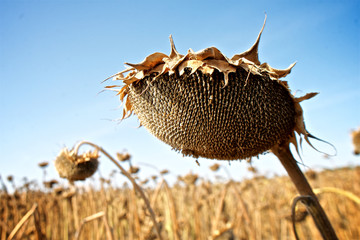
x,y
54,55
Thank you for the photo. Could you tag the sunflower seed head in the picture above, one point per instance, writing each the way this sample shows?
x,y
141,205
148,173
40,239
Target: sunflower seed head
x,y
215,167
204,104
123,156
43,164
355,135
134,169
76,167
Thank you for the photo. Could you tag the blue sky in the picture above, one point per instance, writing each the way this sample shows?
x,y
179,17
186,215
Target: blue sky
x,y
54,55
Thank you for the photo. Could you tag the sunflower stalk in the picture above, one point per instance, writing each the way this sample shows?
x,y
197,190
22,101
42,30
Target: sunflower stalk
x,y
132,180
204,104
308,198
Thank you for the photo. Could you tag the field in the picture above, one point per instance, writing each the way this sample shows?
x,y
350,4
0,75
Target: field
x,y
192,208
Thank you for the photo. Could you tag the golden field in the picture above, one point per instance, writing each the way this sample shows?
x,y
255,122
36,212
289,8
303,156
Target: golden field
x,y
192,208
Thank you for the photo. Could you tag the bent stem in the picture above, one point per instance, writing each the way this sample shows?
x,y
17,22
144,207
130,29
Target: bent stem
x,y
282,151
132,180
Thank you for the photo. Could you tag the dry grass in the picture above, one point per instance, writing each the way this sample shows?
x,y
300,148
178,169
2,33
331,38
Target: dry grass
x,y
192,208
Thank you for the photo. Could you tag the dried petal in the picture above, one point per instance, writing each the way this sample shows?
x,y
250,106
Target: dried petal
x,y
149,62
252,53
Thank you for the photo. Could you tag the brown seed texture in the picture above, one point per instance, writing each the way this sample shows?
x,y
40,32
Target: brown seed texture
x,y
76,167
204,104
196,115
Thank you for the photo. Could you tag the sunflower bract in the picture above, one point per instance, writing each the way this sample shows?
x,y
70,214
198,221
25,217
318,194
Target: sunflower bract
x,y
205,104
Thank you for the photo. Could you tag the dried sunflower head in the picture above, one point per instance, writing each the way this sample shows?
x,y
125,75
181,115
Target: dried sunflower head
x,y
355,135
123,156
76,167
43,164
50,184
205,104
163,172
134,169
190,178
215,167
10,178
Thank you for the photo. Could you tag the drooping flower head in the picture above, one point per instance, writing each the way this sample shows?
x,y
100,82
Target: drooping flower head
x,y
205,104
76,167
